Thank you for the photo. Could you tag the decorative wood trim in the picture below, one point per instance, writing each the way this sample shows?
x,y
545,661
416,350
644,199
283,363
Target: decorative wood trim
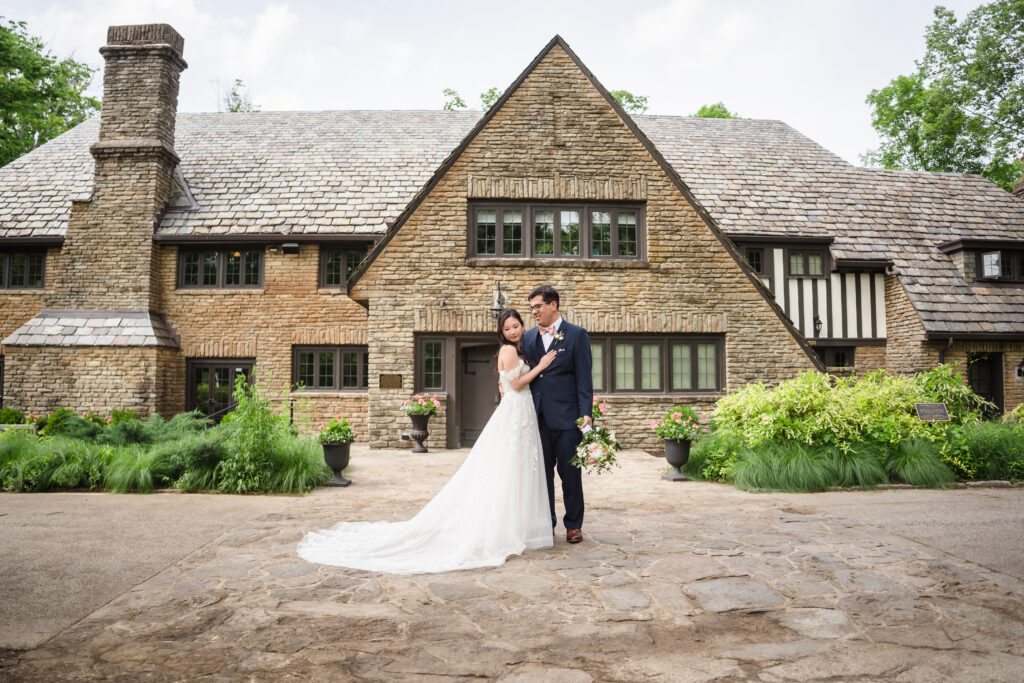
x,y
557,187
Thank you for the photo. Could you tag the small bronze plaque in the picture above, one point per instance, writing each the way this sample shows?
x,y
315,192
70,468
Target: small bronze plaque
x,y
932,412
390,381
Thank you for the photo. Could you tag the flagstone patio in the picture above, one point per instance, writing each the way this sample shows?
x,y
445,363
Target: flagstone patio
x,y
673,582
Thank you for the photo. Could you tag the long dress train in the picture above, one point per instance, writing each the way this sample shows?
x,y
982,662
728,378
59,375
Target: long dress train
x,y
494,506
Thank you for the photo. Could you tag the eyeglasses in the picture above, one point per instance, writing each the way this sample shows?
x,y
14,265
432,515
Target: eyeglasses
x,y
536,307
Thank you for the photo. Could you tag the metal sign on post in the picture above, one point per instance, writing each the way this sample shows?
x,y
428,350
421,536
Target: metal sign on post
x,y
932,412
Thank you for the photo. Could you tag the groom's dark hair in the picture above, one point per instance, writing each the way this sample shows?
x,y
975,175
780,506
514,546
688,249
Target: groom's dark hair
x,y
548,292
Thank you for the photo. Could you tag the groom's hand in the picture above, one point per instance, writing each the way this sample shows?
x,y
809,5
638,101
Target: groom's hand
x,y
587,422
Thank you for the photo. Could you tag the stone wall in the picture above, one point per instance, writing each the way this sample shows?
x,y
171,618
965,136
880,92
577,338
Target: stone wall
x,y
264,324
1013,355
558,138
907,349
91,378
18,306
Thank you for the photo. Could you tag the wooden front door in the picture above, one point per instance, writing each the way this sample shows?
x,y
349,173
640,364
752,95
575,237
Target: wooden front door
x,y
478,389
985,376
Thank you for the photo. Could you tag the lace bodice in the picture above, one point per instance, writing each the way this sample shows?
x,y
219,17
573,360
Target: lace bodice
x,y
506,377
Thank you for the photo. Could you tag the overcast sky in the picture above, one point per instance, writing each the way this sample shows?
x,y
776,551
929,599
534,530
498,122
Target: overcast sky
x,y
810,64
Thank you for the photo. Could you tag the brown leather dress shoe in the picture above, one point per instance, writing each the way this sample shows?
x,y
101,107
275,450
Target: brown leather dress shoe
x,y
573,535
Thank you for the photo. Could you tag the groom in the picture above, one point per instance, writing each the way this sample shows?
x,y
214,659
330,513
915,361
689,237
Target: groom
x,y
561,394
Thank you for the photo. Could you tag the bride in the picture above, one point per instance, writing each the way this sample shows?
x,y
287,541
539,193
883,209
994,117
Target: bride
x,y
496,504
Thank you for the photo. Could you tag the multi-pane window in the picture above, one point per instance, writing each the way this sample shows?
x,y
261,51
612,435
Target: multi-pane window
x,y
234,268
806,263
338,263
1003,265
755,257
330,368
662,364
22,269
559,231
432,365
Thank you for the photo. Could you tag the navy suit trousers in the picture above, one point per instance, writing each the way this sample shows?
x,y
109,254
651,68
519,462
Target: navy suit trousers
x,y
559,448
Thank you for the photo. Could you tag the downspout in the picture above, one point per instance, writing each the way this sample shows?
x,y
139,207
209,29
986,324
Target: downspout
x,y
942,351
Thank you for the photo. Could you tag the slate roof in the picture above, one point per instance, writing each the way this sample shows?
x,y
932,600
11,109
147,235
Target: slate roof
x,y
57,327
350,172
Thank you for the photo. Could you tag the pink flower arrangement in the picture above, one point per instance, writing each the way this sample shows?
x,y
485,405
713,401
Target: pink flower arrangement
x,y
680,423
421,404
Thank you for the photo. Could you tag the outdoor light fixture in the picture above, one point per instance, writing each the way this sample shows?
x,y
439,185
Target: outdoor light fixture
x,y
290,247
817,326
499,302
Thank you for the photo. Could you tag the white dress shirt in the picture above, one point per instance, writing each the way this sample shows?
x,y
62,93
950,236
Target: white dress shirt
x,y
549,338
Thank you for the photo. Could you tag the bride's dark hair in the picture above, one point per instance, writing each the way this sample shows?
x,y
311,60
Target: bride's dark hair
x,y
502,318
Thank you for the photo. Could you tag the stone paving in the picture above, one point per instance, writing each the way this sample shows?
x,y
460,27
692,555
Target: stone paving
x,y
673,582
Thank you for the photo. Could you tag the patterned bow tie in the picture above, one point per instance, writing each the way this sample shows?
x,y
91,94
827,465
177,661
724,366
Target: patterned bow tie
x,y
546,330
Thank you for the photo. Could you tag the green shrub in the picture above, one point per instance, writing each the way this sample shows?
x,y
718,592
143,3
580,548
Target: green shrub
x,y
713,456
11,416
28,463
918,462
126,432
989,449
58,422
122,415
198,458
296,464
862,465
247,467
83,465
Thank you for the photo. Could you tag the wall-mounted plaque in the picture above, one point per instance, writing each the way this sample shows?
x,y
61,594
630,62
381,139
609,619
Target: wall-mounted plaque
x,y
390,381
932,412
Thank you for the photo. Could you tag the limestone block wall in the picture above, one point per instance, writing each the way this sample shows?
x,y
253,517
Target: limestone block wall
x,y
264,324
868,358
907,349
100,379
18,306
558,139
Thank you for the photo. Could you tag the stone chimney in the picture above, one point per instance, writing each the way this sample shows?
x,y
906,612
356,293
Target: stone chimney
x,y
107,261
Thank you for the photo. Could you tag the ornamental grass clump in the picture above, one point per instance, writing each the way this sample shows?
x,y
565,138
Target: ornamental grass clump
x,y
136,469
713,456
790,466
918,462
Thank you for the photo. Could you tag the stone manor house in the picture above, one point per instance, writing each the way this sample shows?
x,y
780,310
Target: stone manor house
x,y
148,257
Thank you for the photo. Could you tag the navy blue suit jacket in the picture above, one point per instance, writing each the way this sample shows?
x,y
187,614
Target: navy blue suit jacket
x,y
564,391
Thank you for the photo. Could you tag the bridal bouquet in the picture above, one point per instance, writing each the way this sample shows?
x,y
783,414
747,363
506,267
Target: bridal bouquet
x,y
596,453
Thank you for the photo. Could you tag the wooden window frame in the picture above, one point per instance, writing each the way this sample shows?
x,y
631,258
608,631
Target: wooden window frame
x,y
828,354
7,261
363,371
762,270
805,252
583,209
325,249
192,363
421,357
222,257
1014,257
665,342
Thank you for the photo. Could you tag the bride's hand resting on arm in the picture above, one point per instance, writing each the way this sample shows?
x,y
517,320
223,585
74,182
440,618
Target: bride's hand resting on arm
x,y
508,360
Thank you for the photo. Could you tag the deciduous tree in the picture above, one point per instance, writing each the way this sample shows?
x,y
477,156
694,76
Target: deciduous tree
x,y
40,94
962,110
715,111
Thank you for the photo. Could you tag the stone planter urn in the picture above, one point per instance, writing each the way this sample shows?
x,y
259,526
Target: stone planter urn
x,y
677,452
336,457
419,432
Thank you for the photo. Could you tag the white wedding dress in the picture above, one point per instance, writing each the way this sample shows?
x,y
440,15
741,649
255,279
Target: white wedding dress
x,y
496,505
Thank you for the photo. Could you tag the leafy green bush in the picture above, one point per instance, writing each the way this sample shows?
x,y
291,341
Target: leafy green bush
x,y
247,467
713,456
126,432
198,456
919,463
986,450
28,463
11,416
59,422
296,465
133,468
122,415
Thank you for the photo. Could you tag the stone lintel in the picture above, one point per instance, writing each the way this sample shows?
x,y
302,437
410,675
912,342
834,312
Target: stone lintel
x,y
134,147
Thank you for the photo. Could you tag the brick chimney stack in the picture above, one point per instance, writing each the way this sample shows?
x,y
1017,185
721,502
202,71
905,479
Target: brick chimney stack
x,y
108,254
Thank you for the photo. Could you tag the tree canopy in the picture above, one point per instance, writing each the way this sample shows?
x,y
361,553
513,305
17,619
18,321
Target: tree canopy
x,y
634,104
718,110
237,98
40,94
962,109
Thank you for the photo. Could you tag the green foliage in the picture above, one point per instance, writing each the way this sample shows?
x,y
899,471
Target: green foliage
x,y
489,97
713,456
718,110
1015,416
28,463
296,465
962,110
787,466
198,457
679,422
40,95
987,450
64,422
247,467
338,430
11,416
452,100
634,104
237,98
117,416
862,465
918,462
134,468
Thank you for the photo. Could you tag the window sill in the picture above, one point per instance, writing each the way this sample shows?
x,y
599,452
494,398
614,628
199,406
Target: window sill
x,y
328,393
477,261
22,290
332,291
218,290
659,395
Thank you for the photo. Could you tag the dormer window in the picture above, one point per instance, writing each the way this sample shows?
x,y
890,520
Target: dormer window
x,y
1004,265
806,263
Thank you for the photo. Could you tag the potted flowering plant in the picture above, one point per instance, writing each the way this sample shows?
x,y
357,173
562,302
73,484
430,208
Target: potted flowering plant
x,y
678,427
336,437
419,409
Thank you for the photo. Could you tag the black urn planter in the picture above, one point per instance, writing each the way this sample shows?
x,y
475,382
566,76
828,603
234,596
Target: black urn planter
x,y
677,452
419,432
336,457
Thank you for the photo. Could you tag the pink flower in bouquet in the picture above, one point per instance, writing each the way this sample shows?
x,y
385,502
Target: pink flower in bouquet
x,y
591,459
603,407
